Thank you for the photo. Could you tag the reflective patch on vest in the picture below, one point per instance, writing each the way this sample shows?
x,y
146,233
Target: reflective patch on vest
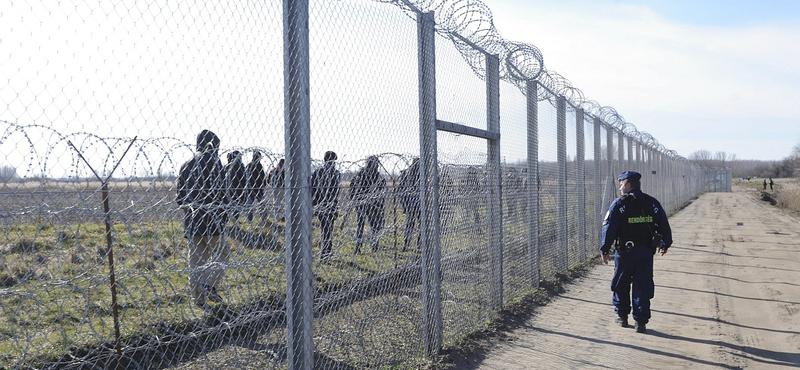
x,y
640,220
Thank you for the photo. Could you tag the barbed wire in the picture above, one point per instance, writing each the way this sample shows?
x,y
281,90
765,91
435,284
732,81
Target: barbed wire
x,y
472,20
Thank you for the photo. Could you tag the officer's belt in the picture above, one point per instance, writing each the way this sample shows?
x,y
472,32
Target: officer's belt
x,y
628,245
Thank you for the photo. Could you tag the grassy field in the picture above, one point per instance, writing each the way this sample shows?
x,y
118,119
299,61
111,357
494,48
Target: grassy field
x,y
787,194
56,300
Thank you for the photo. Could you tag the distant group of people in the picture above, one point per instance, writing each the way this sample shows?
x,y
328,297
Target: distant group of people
x,y
770,183
211,195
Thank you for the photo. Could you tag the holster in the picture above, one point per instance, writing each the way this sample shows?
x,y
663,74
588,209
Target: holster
x,y
655,242
623,247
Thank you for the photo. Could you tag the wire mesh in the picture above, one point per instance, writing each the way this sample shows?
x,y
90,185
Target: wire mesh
x,y
166,205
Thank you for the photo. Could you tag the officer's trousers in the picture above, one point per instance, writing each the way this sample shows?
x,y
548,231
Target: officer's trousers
x,y
634,268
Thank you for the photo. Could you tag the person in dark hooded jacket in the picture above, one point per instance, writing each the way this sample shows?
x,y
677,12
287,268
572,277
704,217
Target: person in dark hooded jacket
x,y
325,186
256,181
202,196
276,178
235,183
409,197
367,193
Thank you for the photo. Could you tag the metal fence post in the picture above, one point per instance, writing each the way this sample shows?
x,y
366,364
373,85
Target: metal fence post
x,y
621,151
531,87
561,184
297,128
581,182
494,173
610,191
639,156
630,153
598,182
429,186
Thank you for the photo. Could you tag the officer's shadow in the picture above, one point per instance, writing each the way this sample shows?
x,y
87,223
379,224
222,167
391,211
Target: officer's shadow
x,y
763,356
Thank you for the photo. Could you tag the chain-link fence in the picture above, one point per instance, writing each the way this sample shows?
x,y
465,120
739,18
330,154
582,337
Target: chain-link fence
x,y
377,180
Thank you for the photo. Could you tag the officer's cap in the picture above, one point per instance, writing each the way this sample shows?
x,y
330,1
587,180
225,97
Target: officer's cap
x,y
630,175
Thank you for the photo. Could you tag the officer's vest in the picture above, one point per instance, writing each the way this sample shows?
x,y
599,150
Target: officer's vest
x,y
637,220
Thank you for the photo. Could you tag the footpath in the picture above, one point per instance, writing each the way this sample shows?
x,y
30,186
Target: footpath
x,y
727,297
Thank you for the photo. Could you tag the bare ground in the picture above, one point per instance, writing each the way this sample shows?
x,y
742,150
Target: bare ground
x,y
727,297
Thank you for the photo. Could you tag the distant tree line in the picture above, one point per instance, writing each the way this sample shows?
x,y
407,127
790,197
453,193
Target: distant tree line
x,y
786,167
7,173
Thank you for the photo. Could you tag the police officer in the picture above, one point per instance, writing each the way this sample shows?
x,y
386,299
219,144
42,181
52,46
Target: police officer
x,y
637,226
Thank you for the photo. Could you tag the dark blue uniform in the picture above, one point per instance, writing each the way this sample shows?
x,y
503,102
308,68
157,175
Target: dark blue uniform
x,y
630,221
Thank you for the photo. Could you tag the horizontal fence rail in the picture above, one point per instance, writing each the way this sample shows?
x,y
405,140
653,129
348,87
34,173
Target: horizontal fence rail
x,y
298,184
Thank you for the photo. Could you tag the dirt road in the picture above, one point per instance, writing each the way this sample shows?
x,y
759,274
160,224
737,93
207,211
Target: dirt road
x,y
727,297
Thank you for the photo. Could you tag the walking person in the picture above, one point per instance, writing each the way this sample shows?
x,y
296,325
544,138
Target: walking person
x,y
367,193
512,191
637,226
202,195
235,184
256,182
408,194
276,178
447,199
471,187
325,186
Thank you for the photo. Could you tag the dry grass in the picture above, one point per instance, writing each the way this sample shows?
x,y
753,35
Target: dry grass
x,y
787,194
54,278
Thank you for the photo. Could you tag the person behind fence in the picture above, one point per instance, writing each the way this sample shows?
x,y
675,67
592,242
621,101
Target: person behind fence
x,y
472,188
256,182
276,178
512,190
636,226
447,198
523,183
235,184
408,195
325,185
202,196
367,194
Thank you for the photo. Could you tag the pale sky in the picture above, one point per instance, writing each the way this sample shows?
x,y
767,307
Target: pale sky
x,y
715,75
696,75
